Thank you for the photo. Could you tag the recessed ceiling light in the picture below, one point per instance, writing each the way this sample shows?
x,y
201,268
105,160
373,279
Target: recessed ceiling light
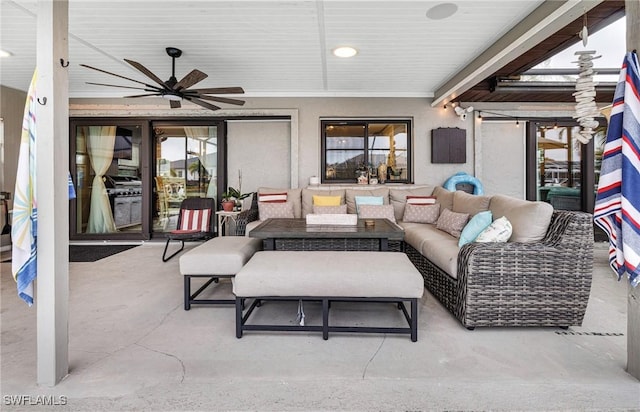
x,y
4,53
442,11
345,51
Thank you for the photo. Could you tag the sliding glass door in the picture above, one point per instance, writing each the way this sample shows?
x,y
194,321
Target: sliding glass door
x,y
108,175
186,164
132,174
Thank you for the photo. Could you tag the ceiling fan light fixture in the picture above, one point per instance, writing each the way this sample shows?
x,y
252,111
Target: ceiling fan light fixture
x,y
172,97
345,51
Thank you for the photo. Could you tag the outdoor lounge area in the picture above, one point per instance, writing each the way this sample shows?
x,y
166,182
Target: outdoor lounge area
x,y
132,346
319,205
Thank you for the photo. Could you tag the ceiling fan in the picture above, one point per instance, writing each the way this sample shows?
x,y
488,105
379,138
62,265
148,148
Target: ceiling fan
x,y
173,90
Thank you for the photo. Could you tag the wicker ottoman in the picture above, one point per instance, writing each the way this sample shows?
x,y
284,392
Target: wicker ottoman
x,y
329,276
220,257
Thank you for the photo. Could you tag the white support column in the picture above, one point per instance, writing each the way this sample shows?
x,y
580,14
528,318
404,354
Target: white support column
x,y
52,153
632,11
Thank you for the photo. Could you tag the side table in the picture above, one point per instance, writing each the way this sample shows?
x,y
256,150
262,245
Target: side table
x,y
223,219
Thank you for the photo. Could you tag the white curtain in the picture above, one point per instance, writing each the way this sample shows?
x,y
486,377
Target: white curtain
x,y
206,134
100,144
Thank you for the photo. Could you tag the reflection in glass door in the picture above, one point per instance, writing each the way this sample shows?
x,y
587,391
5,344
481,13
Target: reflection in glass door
x,y
186,163
561,169
108,179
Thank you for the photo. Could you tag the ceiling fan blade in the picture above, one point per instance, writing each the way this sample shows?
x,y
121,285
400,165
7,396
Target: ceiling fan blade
x,y
126,87
202,103
117,75
144,95
190,79
175,104
219,90
146,72
222,99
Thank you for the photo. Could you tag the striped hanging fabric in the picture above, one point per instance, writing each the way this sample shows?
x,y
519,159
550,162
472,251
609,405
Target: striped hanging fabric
x,y
617,208
25,213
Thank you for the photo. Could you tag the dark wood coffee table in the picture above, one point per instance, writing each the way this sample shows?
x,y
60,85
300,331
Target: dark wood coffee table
x,y
295,234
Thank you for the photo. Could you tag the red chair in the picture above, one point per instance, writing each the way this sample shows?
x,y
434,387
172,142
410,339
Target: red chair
x,y
195,222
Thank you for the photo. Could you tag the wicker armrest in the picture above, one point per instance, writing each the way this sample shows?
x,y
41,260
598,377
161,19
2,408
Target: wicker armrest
x,y
246,216
243,218
550,278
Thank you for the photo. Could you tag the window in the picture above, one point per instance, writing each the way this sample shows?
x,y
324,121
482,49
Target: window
x,y
379,148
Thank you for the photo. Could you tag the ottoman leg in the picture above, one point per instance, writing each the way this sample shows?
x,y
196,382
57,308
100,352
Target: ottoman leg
x,y
414,320
325,319
239,305
187,292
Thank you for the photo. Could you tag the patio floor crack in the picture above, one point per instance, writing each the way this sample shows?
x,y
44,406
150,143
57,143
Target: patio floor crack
x,y
184,369
364,372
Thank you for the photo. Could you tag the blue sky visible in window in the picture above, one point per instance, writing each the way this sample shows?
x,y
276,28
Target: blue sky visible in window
x,y
610,43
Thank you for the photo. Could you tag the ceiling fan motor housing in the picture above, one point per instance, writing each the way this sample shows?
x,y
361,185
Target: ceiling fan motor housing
x,y
175,90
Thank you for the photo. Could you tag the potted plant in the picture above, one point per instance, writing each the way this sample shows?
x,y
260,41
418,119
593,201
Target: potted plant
x,y
231,197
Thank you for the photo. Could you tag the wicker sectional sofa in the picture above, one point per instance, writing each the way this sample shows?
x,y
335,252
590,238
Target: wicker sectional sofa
x,y
540,277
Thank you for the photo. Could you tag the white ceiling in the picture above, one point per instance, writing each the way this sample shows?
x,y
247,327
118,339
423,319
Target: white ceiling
x,y
270,48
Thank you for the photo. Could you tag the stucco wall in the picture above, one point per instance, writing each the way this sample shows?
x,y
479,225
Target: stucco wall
x,y
425,118
502,157
261,150
495,153
310,111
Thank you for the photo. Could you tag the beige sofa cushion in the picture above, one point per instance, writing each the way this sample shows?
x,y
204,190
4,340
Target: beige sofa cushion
x,y
293,196
416,233
444,197
464,202
443,250
307,198
351,194
529,220
439,247
398,197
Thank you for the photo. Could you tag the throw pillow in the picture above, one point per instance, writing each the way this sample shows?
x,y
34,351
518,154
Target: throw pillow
x,y
197,220
452,222
421,214
421,200
330,210
476,225
368,200
275,210
498,231
377,212
350,196
327,200
272,197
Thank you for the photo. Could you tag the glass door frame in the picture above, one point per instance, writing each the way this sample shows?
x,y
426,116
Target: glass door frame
x,y
145,153
587,173
221,181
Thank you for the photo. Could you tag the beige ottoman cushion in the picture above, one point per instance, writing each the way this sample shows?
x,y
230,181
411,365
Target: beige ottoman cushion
x,y
224,255
329,274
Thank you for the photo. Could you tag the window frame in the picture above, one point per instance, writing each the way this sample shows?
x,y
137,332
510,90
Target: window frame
x,y
324,123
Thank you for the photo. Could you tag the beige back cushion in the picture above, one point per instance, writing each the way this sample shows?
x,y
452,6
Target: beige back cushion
x,y
293,196
398,197
464,202
307,198
352,193
529,220
444,197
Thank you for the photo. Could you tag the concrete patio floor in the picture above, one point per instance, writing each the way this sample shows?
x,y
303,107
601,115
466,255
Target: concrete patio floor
x,y
132,346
